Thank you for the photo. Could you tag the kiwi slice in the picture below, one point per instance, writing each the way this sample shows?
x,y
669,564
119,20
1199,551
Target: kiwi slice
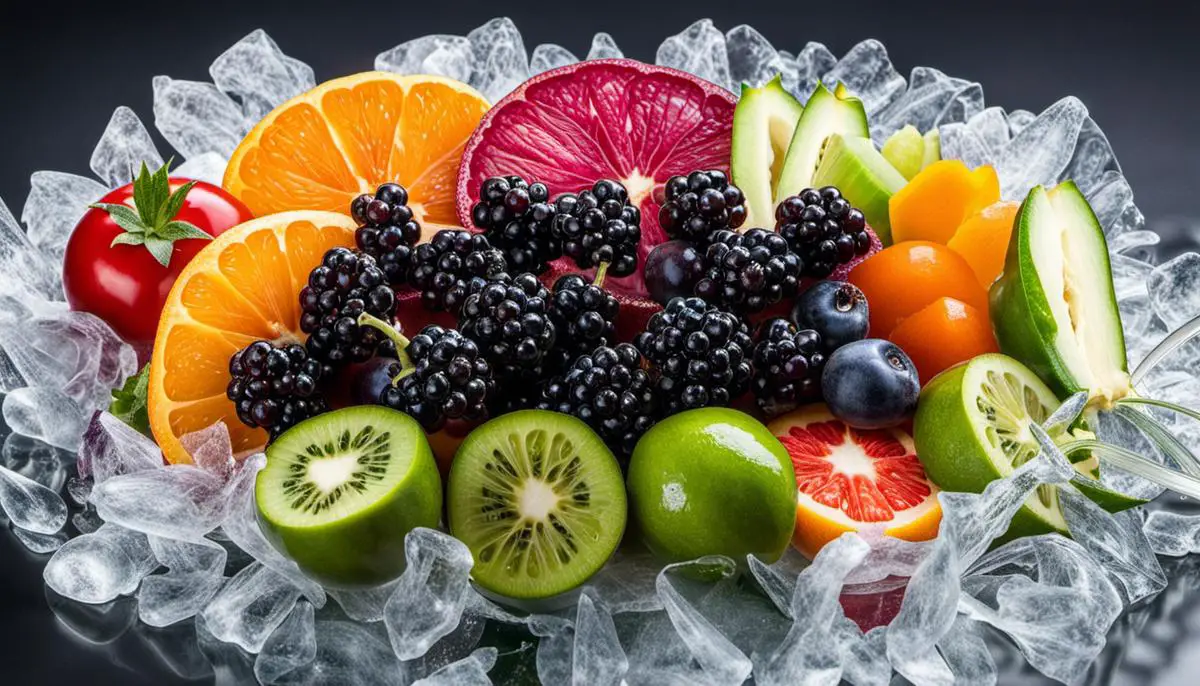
x,y
341,490
539,500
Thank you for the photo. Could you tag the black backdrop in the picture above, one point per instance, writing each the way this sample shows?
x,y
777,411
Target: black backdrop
x,y
64,67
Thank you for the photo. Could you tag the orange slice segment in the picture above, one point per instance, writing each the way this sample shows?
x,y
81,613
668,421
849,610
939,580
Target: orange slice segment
x,y
349,135
242,287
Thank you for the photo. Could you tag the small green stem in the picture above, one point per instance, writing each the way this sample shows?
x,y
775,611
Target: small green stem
x,y
601,271
1185,411
406,363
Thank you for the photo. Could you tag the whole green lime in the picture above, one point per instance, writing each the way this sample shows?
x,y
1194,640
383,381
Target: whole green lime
x,y
712,481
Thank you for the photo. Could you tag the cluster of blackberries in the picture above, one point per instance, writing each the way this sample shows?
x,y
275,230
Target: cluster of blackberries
x,y
600,227
508,318
748,272
387,230
346,285
517,218
823,229
700,204
274,387
449,265
787,366
584,315
444,377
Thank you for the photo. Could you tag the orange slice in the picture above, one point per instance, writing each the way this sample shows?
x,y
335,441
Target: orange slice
x,y
242,287
852,480
320,149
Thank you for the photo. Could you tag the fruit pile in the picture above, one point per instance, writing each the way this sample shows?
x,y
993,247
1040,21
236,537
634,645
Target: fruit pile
x,y
744,329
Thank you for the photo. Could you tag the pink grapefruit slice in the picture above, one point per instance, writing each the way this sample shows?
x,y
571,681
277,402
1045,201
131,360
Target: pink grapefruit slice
x,y
853,480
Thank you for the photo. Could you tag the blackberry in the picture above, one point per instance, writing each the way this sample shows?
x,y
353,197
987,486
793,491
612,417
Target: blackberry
x,y
345,285
517,218
701,354
748,272
274,387
701,204
600,227
445,267
610,392
584,316
387,230
508,318
823,229
787,365
443,377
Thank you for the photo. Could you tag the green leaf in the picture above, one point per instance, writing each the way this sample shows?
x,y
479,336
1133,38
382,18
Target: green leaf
x,y
123,215
128,238
180,230
143,196
160,248
129,402
175,202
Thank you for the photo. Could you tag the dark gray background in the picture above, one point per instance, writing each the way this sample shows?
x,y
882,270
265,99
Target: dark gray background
x,y
64,68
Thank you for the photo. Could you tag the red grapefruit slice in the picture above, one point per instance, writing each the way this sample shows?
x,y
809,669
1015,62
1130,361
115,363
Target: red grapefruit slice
x,y
852,480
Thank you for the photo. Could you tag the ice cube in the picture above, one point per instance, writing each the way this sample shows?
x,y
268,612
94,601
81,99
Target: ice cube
x,y
889,557
437,54
365,604
469,671
96,568
431,594
604,48
256,72
720,660
752,58
211,450
1109,197
165,599
1175,289
111,448
866,663
1018,120
40,543
35,460
450,648
1140,245
292,645
868,73
30,505
967,655
627,584
1039,154
45,414
123,148
991,126
1093,157
584,653
658,655
23,268
959,142
196,117
230,663
932,99
178,501
549,56
347,653
1116,541
56,203
1173,534
250,606
699,49
209,166
812,63
498,60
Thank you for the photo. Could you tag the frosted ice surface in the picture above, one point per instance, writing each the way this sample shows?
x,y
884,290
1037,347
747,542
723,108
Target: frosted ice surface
x,y
932,98
208,166
122,149
1018,120
959,142
967,655
1140,245
347,653
752,58
868,73
628,583
165,599
364,605
721,661
431,594
45,414
1109,196
1173,534
1041,151
30,505
699,49
98,567
584,653
889,556
40,543
1093,156
197,117
178,501
991,126
1175,289
866,663
292,645
256,72
549,56
1116,541
55,205
211,450
498,60
35,460
812,63
442,55
250,606
604,48
112,447
23,269
469,671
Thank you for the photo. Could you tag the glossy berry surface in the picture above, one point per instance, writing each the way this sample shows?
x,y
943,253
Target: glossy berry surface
x,y
346,284
599,226
584,317
517,218
870,384
509,319
387,230
787,364
672,270
700,204
610,392
823,229
274,387
701,355
748,272
837,309
448,380
444,268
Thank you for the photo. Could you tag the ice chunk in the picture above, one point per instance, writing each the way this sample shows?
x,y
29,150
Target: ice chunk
x,y
1109,197
627,584
250,606
814,62
364,605
1039,154
211,450
111,447
604,48
498,60
256,72
1093,157
752,58
469,671
1115,541
721,661
87,521
1140,245
23,269
209,166
40,543
1173,534
889,557
866,663
431,594
699,49
347,653
178,501
55,205
868,73
197,117
30,505
123,148
991,126
98,567
437,54
45,414
35,460
932,98
196,573
1175,289
959,142
967,655
585,652
292,645
1018,120
549,56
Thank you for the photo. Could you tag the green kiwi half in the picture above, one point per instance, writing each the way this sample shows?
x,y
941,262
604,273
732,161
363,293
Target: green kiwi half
x,y
539,500
341,490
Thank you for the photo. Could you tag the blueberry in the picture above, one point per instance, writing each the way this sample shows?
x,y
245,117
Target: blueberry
x,y
835,308
672,270
870,384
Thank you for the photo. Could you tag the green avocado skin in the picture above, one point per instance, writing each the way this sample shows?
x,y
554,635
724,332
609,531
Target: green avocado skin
x,y
712,481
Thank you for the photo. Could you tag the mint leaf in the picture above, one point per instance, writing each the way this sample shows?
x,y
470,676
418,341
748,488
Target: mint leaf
x,y
129,402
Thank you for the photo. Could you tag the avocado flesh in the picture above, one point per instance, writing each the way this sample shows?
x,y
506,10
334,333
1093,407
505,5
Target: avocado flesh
x,y
826,113
763,124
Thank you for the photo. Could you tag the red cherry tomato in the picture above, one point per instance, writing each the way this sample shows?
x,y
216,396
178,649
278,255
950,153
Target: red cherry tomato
x,y
124,284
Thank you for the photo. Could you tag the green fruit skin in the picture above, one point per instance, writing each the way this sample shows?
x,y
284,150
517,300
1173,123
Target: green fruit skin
x,y
366,548
730,487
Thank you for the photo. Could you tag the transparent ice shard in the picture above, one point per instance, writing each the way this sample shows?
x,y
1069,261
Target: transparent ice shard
x,y
197,117
98,567
123,148
365,604
45,414
752,58
291,646
111,448
195,573
256,72
549,56
40,543
431,594
30,505
36,460
699,49
498,60
442,55
250,606
604,48
719,659
1040,152
813,62
1175,289
23,268
56,203
868,73
469,671
347,653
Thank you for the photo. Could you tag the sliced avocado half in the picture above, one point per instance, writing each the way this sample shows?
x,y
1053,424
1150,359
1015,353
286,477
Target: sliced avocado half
x,y
864,177
826,113
763,124
1054,307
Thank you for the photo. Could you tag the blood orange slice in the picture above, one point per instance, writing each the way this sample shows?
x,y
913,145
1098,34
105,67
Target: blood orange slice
x,y
852,480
